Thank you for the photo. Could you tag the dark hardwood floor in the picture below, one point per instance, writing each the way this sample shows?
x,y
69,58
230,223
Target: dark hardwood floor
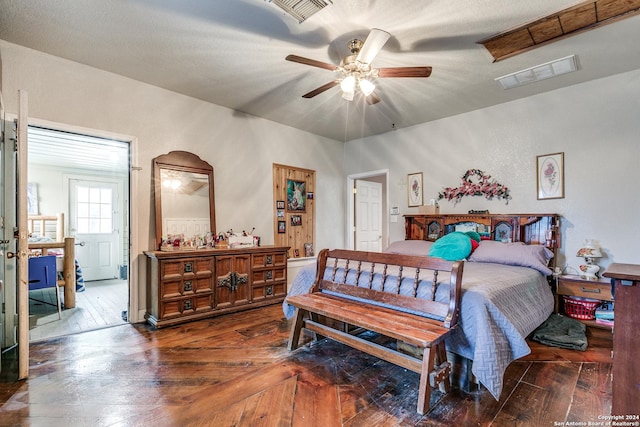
x,y
234,370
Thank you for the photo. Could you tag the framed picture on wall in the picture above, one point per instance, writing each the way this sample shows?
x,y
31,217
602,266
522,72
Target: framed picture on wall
x,y
550,176
296,220
280,204
32,199
414,189
282,227
296,195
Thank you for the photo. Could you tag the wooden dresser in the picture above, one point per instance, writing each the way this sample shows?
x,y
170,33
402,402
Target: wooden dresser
x,y
189,285
626,340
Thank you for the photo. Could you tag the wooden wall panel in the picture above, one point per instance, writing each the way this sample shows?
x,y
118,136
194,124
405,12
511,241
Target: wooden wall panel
x,y
294,236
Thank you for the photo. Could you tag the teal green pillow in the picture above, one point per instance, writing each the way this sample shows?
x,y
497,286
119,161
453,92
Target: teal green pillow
x,y
451,247
474,235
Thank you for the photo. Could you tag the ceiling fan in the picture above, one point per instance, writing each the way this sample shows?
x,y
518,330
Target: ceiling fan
x,y
355,71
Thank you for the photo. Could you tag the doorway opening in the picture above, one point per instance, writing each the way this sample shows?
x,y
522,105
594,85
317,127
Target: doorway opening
x,y
367,218
86,178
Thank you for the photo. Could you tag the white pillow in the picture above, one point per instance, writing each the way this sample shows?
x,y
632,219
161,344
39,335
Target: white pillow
x,y
409,247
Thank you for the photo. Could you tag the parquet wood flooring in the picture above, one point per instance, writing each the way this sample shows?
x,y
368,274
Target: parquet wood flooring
x,y
234,370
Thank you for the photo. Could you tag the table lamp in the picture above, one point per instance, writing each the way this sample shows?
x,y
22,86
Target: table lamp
x,y
589,251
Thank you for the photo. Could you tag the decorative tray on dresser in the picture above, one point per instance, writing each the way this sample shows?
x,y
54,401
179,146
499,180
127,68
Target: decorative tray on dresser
x,y
189,285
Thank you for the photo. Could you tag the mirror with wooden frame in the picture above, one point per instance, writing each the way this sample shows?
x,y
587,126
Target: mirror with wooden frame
x,y
184,202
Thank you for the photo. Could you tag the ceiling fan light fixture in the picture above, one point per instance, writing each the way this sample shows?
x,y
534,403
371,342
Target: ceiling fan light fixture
x,y
348,84
366,87
348,95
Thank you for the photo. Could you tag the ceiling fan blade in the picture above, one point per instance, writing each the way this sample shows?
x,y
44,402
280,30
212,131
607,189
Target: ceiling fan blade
x,y
312,62
372,45
373,99
321,89
404,72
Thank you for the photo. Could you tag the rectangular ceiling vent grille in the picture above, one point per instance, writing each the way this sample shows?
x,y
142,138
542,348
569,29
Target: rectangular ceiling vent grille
x,y
301,9
555,68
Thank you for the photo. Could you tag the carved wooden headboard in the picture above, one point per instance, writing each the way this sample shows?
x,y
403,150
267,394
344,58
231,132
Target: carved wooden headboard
x,y
532,229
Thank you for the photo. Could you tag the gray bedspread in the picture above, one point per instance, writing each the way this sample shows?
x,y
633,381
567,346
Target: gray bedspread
x,y
500,306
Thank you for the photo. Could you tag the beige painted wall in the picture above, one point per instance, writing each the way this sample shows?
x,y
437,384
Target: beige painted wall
x,y
241,148
595,124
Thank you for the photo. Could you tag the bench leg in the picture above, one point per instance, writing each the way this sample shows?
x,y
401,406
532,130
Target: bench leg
x,y
441,358
424,390
296,327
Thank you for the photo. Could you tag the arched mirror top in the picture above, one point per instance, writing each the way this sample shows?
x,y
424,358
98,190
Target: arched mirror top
x,y
184,200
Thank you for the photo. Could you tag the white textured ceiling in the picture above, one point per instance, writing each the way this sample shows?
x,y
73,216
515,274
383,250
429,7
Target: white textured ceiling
x,y
232,52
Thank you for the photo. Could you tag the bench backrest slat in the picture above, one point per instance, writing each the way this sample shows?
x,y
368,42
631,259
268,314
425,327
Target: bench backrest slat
x,y
380,264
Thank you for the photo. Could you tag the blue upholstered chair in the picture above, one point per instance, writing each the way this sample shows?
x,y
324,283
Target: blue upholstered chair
x,y
42,274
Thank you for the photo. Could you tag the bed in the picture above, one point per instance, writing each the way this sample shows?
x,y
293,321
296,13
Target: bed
x,y
505,296
46,237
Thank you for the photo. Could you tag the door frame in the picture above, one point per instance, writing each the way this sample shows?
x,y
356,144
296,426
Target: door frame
x,y
135,310
350,220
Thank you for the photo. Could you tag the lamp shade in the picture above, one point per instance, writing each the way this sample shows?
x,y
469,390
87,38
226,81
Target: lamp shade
x,y
589,252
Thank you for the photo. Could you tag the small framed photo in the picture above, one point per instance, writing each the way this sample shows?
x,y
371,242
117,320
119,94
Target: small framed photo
x,y
280,204
296,253
296,220
280,214
414,189
310,195
308,249
282,227
550,176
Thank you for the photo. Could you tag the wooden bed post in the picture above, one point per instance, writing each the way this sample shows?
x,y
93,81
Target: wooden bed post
x,y
59,227
69,273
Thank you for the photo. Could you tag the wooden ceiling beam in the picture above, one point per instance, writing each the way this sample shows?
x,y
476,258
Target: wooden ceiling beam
x,y
559,25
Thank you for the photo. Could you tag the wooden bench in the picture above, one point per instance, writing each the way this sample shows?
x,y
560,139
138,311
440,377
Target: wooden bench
x,y
330,310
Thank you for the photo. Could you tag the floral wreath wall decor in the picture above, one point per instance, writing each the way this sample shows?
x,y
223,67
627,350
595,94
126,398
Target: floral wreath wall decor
x,y
476,183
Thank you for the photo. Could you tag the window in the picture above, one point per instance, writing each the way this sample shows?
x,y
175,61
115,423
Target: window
x,y
94,210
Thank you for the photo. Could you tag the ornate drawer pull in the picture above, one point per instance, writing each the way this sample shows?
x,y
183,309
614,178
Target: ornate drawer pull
x,y
188,267
187,304
269,290
269,274
590,290
269,259
232,279
188,286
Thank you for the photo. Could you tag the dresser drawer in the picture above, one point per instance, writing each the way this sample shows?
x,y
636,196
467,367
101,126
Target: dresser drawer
x,y
185,287
173,269
260,277
268,290
185,306
275,259
585,289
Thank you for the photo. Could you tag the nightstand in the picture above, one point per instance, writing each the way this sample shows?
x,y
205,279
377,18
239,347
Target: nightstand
x,y
576,286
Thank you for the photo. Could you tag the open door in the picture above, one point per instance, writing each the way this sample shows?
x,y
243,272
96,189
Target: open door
x,y
21,255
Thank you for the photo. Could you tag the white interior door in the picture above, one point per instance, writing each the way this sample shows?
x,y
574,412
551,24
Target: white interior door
x,y
94,223
368,213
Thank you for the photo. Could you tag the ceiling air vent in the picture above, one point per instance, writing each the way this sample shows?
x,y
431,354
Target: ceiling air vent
x,y
555,68
301,9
